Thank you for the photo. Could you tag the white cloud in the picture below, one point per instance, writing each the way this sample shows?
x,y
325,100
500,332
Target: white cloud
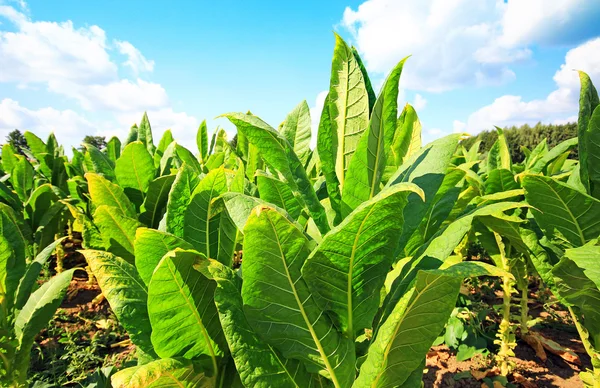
x,y
559,106
78,63
68,126
120,96
38,52
462,42
315,116
548,22
458,126
135,59
419,103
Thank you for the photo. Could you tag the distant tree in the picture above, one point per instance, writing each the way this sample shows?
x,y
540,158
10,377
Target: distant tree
x,y
97,141
527,136
17,140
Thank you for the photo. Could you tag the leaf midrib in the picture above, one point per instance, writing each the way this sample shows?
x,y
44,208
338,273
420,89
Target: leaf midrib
x,y
197,317
301,308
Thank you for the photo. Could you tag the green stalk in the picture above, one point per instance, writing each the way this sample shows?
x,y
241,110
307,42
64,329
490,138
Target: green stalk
x,y
524,311
505,333
60,254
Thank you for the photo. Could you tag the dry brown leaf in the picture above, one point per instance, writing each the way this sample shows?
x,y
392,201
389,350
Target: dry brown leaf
x,y
498,384
555,348
535,342
524,382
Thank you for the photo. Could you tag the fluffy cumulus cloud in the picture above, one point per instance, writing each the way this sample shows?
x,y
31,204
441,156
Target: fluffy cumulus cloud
x,y
81,64
420,102
454,43
135,59
559,106
43,121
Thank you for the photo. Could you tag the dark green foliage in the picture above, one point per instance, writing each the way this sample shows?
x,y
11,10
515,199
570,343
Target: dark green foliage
x,y
526,136
97,141
17,140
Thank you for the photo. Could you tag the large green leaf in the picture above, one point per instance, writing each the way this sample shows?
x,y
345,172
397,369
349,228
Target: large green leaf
x,y
38,203
593,149
346,271
406,139
97,162
588,101
366,166
9,159
179,198
278,153
258,364
363,70
239,207
18,235
36,314
7,290
438,212
576,289
126,293
417,319
22,178
587,258
202,141
348,105
145,134
118,231
182,311
561,211
134,171
427,169
107,193
553,154
433,254
499,154
188,158
131,136
278,303
278,193
150,246
113,148
197,223
36,145
9,197
296,130
33,272
165,141
156,200
167,372
327,149
500,180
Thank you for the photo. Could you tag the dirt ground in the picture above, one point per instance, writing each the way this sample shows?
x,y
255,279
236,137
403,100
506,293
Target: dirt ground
x,y
443,370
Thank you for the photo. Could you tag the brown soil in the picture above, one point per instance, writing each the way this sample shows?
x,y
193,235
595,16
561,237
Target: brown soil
x,y
85,312
443,370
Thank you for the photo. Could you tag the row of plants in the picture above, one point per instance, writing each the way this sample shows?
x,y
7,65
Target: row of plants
x,y
263,262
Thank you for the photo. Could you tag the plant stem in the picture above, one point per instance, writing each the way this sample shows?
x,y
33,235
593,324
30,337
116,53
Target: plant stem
x,y
505,334
60,254
524,311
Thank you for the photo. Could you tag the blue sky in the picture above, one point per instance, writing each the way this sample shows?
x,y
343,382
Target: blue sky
x,y
80,68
